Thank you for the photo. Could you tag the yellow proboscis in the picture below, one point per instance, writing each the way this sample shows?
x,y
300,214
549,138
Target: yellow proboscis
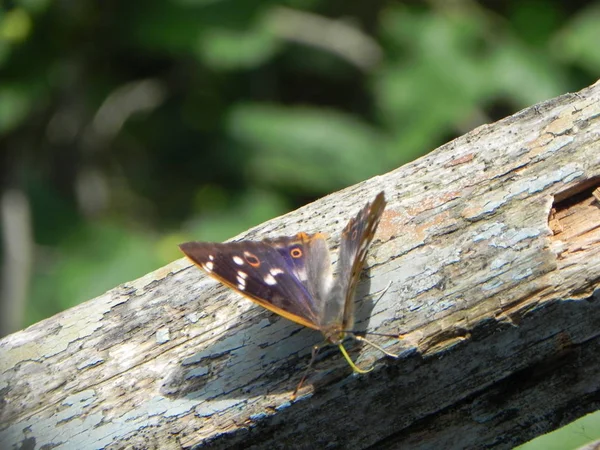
x,y
354,366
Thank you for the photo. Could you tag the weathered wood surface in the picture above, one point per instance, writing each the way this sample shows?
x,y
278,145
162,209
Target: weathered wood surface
x,y
492,290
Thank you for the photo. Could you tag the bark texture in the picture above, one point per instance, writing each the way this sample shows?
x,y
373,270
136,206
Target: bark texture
x,y
492,247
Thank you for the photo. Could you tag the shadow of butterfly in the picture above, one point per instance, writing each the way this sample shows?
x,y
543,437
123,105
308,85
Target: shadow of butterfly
x,y
293,277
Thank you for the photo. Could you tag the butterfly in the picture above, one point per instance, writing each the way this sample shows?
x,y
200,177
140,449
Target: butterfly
x,y
293,277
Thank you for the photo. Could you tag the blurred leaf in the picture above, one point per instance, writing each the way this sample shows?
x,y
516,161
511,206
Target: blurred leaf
x,y
316,149
177,26
578,42
15,25
15,104
436,80
523,75
231,49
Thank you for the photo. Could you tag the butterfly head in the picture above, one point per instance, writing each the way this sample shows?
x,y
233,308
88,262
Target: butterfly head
x,y
334,334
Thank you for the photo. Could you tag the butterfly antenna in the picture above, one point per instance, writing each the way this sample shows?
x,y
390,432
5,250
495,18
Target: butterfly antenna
x,y
361,334
374,345
382,293
354,366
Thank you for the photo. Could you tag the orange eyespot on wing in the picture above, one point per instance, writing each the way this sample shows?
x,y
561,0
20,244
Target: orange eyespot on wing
x,y
252,259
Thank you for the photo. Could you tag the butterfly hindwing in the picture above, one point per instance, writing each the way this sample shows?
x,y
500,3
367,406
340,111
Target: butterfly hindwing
x,y
356,238
271,273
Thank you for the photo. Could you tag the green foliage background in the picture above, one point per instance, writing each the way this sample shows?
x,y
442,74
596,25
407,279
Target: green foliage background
x,y
129,127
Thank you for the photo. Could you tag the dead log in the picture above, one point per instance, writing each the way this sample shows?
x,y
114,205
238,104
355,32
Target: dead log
x,y
492,245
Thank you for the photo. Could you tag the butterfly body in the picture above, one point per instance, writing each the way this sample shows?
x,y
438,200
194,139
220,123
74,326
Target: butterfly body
x,y
293,277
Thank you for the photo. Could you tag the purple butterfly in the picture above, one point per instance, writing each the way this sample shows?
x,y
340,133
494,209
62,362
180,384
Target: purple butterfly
x,y
293,276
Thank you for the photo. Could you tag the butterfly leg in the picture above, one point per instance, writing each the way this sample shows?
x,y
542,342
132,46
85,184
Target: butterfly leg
x,y
372,344
315,351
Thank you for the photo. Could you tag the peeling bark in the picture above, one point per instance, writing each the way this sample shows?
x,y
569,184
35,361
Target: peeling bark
x,y
492,245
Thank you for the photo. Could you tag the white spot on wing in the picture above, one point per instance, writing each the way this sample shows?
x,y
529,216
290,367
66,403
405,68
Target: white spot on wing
x,y
239,261
211,257
241,274
275,271
209,266
270,280
241,283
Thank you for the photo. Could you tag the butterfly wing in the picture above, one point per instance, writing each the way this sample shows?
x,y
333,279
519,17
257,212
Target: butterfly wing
x,y
307,256
356,238
272,273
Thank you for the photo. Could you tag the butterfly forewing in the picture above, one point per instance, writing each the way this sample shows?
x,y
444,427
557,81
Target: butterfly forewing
x,y
356,238
271,273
